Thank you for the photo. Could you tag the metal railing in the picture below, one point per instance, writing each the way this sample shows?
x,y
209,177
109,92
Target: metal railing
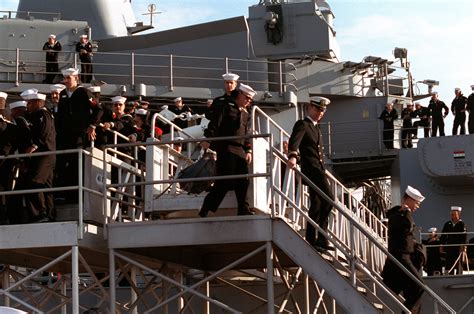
x,y
28,65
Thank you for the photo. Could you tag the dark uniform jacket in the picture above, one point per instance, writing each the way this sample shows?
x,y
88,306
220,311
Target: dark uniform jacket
x,y
388,118
407,116
436,109
230,120
85,51
470,103
52,50
307,139
458,106
75,114
43,135
450,227
424,114
401,229
219,101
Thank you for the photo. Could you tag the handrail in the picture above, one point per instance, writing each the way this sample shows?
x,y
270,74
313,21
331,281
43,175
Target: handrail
x,y
374,241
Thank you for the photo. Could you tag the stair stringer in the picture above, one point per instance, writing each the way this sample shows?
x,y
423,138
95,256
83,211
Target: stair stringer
x,y
347,296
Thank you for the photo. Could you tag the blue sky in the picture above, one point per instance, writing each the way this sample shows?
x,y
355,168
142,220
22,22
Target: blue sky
x,y
437,33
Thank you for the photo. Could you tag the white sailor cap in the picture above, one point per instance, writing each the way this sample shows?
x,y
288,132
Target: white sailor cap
x,y
17,104
178,99
320,102
230,76
457,89
414,194
70,72
3,95
119,100
456,208
247,90
417,104
27,93
94,89
141,112
37,96
83,36
57,88
52,36
434,93
432,229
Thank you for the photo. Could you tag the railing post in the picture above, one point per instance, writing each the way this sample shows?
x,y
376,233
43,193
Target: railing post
x,y
226,65
280,77
17,68
81,200
329,140
387,91
132,70
270,292
75,60
75,279
171,88
112,280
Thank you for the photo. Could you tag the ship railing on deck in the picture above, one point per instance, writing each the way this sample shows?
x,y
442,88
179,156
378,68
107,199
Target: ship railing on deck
x,y
28,66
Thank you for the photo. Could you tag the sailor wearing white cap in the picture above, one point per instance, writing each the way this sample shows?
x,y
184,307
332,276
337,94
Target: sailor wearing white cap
x,y
27,93
230,119
180,109
458,108
52,48
454,232
84,48
470,109
230,85
433,253
17,104
3,100
56,90
306,147
40,206
439,111
401,244
94,89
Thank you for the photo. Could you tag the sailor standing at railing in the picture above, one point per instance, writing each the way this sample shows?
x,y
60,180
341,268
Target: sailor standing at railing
x,y
233,156
84,47
454,232
40,170
401,244
76,119
52,48
306,147
470,109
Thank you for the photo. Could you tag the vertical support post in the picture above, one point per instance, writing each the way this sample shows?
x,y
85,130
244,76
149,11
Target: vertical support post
x,y
63,292
75,279
81,200
17,67
171,88
306,294
280,80
112,280
181,298
329,139
75,60
6,284
207,308
270,292
133,294
226,65
132,68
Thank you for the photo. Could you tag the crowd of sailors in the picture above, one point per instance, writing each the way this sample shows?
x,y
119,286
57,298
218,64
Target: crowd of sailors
x,y
430,118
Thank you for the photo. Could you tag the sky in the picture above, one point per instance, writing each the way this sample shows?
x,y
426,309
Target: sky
x,y
439,34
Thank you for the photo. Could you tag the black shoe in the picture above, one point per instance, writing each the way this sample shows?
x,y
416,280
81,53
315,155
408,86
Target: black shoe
x,y
246,212
203,212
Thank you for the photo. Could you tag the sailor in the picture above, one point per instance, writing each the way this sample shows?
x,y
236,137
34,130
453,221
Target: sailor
x,y
233,156
52,104
306,147
407,126
433,253
454,232
75,125
401,244
40,205
180,109
230,85
458,108
388,116
424,114
84,47
436,108
3,101
470,109
52,47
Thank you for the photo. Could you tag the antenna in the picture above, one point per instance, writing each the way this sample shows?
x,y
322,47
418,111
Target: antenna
x,y
151,12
